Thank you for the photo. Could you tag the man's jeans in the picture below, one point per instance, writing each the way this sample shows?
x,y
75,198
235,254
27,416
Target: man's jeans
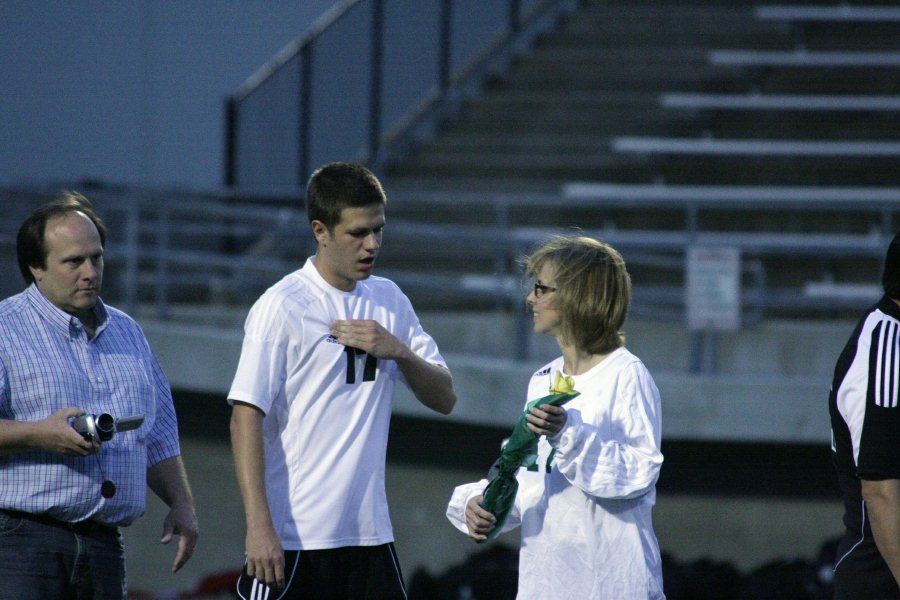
x,y
41,559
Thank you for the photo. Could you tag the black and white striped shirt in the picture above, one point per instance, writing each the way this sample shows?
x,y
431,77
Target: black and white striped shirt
x,y
865,430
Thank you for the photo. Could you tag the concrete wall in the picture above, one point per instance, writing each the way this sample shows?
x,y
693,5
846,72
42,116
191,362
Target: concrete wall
x,y
130,92
771,384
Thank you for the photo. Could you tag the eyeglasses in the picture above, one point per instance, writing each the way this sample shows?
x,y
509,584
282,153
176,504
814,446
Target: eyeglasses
x,y
540,289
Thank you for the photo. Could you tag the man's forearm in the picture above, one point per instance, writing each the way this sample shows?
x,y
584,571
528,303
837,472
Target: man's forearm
x,y
883,504
431,384
16,436
249,463
168,480
53,434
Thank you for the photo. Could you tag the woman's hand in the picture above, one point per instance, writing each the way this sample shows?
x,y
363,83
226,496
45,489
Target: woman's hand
x,y
479,521
546,419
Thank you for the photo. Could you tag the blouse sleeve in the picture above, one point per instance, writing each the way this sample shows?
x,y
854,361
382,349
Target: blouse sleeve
x,y
456,509
619,455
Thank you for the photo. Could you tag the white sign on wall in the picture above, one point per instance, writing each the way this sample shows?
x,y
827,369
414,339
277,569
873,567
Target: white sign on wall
x,y
713,288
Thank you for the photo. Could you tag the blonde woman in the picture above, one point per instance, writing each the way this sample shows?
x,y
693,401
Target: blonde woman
x,y
585,510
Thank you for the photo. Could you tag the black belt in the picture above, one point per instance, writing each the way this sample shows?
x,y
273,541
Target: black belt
x,y
88,527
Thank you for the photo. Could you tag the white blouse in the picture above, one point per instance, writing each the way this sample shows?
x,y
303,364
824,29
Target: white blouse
x,y
586,520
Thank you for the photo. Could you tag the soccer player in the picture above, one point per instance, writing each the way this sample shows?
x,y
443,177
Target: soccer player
x,y
322,351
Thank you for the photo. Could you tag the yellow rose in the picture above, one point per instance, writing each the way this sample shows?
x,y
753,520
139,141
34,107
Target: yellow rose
x,y
562,384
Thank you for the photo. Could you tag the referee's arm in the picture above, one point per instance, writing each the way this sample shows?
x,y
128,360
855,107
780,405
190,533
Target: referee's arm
x,y
882,499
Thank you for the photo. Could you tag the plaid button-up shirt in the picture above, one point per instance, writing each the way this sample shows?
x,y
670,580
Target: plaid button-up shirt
x,y
47,363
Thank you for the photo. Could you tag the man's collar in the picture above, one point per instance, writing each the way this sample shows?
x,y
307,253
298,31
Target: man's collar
x,y
59,318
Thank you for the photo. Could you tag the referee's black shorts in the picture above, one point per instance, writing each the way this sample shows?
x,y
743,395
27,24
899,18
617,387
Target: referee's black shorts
x,y
349,573
861,574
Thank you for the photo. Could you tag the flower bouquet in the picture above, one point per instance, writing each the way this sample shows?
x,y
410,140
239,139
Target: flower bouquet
x,y
520,450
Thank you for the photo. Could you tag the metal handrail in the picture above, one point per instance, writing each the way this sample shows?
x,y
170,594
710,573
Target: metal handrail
x,y
304,105
168,249
167,237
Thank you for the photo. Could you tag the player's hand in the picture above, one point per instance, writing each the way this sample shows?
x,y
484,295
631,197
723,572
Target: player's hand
x,y
56,434
479,522
265,557
369,336
546,419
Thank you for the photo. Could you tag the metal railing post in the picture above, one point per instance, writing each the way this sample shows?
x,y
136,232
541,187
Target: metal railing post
x,y
132,255
305,115
515,16
376,81
231,114
162,262
444,49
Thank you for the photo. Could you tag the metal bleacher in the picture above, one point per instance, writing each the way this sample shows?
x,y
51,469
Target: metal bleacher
x,y
836,13
660,125
797,102
634,153
621,90
804,58
860,49
530,153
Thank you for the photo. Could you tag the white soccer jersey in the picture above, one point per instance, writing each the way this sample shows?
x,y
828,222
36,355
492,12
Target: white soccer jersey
x,y
586,521
327,406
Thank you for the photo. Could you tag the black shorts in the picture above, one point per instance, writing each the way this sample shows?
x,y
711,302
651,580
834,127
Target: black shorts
x,y
862,573
349,573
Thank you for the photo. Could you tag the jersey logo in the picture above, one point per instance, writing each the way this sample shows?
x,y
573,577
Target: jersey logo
x,y
886,378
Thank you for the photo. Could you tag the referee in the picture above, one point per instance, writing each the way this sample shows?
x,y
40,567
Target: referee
x,y
865,424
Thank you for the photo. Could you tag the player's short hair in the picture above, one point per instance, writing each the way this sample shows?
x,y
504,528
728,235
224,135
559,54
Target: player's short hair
x,y
339,185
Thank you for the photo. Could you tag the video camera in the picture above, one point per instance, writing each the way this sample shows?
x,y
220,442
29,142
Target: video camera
x,y
102,427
